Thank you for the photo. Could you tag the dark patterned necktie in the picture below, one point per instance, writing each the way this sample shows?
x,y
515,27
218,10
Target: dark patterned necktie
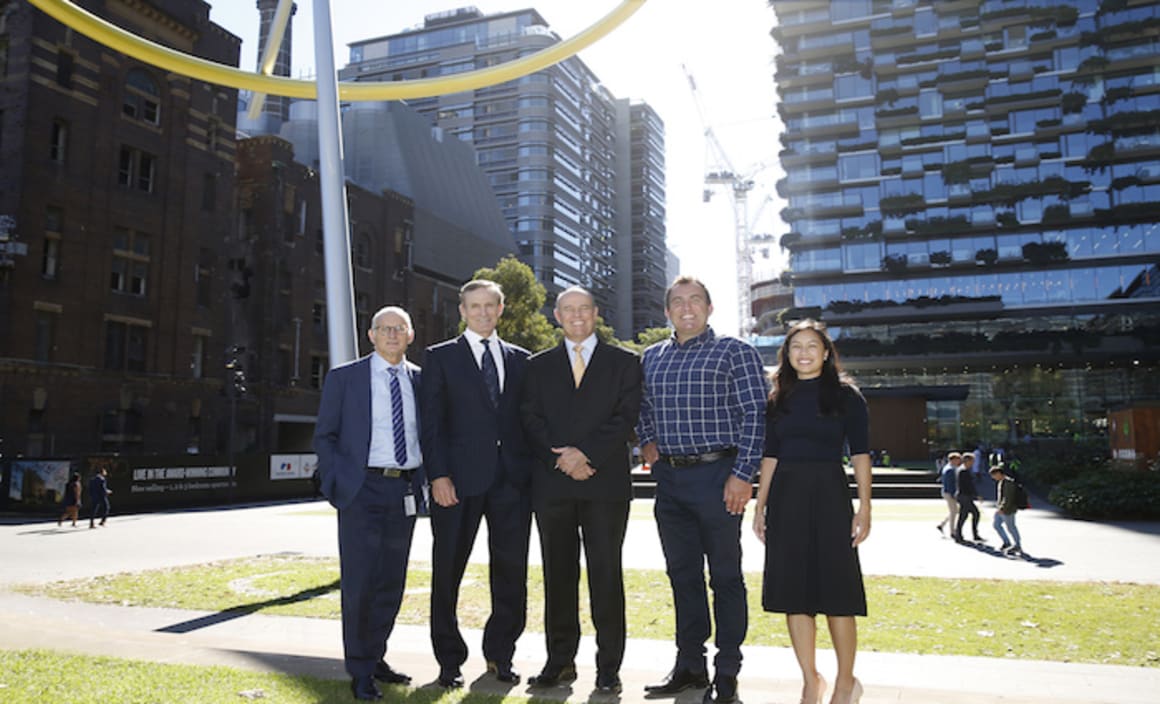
x,y
490,375
397,427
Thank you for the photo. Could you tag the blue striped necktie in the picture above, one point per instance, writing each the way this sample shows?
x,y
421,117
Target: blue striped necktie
x,y
490,375
398,429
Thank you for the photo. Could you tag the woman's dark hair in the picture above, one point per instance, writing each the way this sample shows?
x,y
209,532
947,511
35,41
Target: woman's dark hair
x,y
785,378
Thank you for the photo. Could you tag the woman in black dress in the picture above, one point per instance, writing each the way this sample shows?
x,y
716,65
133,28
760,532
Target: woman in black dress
x,y
804,514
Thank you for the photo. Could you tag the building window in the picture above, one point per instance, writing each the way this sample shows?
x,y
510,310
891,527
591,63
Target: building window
x,y
136,169
141,99
197,357
317,370
125,345
3,57
58,141
318,309
50,261
203,277
45,338
53,226
130,268
64,68
209,192
362,251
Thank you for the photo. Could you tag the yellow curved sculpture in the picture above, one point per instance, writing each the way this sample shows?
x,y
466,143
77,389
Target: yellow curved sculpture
x,y
130,44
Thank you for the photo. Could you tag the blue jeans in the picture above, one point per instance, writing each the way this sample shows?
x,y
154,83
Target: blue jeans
x,y
694,527
1008,520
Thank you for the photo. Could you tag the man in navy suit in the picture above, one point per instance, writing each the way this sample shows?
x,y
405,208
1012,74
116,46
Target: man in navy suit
x,y
478,465
580,403
369,463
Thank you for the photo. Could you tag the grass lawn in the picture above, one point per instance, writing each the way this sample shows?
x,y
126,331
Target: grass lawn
x,y
1111,623
37,676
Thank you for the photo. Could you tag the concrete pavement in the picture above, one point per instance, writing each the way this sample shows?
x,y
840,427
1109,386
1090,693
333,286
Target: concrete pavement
x,y
903,542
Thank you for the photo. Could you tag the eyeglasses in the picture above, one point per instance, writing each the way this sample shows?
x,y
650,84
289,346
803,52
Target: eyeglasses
x,y
388,329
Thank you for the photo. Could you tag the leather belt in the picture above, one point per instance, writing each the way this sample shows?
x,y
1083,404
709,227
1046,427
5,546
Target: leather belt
x,y
393,472
703,458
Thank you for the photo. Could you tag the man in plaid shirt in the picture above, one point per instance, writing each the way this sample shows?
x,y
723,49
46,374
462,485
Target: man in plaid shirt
x,y
702,428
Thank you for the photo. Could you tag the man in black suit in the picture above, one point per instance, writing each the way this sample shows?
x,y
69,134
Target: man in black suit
x,y
478,464
367,440
580,404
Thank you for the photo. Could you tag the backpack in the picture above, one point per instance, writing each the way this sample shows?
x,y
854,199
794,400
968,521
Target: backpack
x,y
1022,500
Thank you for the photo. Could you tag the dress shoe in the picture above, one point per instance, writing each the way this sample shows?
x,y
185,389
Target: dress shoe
x,y
384,673
450,678
608,683
723,690
678,681
364,688
553,676
503,672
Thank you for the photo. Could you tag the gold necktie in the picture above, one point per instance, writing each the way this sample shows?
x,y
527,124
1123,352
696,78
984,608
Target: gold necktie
x,y
578,365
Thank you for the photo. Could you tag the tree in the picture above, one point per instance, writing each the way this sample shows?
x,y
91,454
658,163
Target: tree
x,y
647,337
522,322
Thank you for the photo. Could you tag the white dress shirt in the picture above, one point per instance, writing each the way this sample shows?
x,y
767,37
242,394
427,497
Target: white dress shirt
x,y
473,340
382,450
587,347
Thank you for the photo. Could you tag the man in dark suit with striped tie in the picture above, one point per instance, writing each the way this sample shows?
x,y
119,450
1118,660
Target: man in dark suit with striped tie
x,y
580,403
478,464
369,463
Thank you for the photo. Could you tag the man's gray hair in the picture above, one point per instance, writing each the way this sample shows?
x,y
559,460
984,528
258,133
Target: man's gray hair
x,y
391,309
575,289
476,284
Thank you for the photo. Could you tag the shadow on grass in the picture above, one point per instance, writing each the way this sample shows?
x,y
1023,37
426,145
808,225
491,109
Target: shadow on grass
x,y
247,609
1042,562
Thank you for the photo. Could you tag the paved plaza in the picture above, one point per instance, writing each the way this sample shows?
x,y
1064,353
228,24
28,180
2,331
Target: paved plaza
x,y
900,544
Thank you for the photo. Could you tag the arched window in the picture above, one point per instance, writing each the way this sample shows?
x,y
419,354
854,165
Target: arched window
x,y
141,98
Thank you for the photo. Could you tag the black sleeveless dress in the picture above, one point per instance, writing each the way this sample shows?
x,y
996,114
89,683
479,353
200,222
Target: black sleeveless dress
x,y
810,566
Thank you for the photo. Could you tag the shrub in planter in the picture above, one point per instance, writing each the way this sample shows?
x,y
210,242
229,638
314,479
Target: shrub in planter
x,y
1110,494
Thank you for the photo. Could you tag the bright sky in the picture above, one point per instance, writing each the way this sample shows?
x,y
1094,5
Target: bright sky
x,y
725,45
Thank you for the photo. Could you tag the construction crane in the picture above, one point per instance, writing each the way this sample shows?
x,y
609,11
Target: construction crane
x,y
719,171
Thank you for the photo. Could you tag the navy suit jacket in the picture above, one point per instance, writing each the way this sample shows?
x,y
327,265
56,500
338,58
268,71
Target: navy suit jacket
x,y
597,418
342,433
464,436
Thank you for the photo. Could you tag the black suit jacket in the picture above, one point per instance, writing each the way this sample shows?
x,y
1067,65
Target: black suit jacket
x,y
462,431
597,418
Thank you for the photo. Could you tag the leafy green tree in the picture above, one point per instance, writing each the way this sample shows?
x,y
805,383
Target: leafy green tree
x,y
522,322
647,337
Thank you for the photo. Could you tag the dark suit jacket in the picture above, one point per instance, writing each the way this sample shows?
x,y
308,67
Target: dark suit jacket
x,y
462,430
342,433
597,418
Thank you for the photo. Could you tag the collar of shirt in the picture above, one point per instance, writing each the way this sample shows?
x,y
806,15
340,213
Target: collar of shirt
x,y
588,346
697,340
474,342
380,365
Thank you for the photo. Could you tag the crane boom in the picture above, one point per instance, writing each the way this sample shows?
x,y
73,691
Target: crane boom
x,y
720,172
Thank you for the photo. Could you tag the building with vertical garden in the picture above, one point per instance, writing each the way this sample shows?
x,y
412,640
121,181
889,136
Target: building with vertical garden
x,y
973,204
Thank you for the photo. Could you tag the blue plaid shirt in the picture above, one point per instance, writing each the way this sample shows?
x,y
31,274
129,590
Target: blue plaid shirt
x,y
706,394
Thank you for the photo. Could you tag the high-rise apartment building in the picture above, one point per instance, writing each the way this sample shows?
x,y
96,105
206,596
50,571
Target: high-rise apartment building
x,y
641,214
547,141
973,193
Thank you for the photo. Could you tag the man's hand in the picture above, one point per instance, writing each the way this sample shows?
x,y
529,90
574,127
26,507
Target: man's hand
x,y
443,491
649,453
737,494
570,459
581,473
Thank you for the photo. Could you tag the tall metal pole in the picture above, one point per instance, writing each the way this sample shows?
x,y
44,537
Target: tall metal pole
x,y
340,325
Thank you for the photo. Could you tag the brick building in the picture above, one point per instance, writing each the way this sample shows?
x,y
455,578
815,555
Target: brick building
x,y
116,198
